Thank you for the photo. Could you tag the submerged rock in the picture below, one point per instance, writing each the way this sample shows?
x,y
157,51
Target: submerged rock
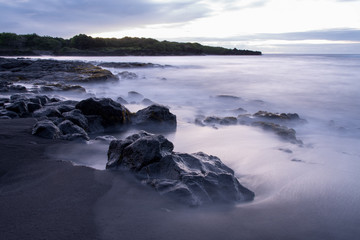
x,y
284,132
193,179
128,75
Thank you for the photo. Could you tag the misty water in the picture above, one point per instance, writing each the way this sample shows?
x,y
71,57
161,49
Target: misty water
x,y
316,185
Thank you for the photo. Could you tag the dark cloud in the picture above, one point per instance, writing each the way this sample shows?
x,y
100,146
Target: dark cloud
x,y
68,17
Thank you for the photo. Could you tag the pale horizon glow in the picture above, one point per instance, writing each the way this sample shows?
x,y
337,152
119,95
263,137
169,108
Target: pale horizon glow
x,y
244,24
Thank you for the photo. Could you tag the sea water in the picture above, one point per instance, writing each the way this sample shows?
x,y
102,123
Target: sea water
x,y
321,177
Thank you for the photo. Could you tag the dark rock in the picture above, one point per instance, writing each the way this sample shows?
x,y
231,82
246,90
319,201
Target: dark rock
x,y
228,97
112,113
43,99
284,132
147,102
121,100
77,118
239,110
281,118
128,75
212,120
33,106
9,114
193,179
94,124
229,121
68,129
46,129
65,108
135,96
48,111
130,65
52,71
17,88
155,116
51,87
20,107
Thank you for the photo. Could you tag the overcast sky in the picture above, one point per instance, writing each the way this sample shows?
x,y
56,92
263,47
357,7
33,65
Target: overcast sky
x,y
271,26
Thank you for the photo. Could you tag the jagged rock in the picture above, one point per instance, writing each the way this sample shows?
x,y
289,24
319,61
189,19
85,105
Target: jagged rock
x,y
155,116
68,129
77,118
284,132
218,120
282,117
112,113
46,129
193,179
50,87
228,121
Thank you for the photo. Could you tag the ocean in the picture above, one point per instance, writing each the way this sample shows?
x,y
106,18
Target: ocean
x,y
310,191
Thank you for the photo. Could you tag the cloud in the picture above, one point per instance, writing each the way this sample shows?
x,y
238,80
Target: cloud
x,y
67,17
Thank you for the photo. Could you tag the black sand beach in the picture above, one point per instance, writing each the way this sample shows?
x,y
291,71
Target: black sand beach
x,y
43,198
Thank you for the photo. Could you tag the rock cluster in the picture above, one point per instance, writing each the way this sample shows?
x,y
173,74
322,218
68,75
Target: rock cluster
x,y
193,179
72,120
280,124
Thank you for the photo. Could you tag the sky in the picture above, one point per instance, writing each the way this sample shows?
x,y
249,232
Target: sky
x,y
270,26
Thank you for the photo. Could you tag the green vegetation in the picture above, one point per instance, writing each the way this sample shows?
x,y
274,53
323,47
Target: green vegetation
x,y
33,44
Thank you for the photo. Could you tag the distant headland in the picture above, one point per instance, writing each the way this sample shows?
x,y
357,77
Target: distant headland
x,y
12,44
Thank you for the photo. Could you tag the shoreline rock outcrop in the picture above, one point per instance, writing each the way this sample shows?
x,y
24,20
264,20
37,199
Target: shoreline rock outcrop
x,y
194,179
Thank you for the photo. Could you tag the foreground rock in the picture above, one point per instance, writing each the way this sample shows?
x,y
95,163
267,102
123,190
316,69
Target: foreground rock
x,y
193,179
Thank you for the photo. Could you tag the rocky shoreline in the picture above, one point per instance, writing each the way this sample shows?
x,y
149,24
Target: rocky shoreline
x,y
205,179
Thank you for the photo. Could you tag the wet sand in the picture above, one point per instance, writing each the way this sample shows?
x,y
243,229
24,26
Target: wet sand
x,y
43,197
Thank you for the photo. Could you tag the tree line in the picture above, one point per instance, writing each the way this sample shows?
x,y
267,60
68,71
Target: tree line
x,y
82,44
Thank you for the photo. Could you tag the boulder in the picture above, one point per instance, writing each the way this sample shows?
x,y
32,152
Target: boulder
x,y
112,113
77,117
46,129
20,107
68,129
48,111
155,116
193,179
